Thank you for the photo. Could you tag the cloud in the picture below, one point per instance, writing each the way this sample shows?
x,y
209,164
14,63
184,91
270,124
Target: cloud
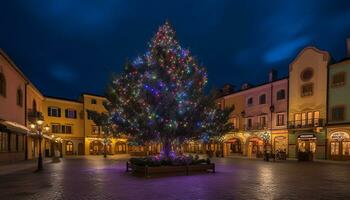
x,y
285,50
63,73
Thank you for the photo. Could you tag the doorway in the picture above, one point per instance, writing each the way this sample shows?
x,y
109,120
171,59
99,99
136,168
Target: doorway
x,y
306,148
255,148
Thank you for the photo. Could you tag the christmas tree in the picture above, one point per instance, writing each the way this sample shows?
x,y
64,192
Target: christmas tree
x,y
160,95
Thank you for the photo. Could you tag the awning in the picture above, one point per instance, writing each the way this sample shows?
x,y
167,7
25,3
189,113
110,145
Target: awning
x,y
14,127
44,136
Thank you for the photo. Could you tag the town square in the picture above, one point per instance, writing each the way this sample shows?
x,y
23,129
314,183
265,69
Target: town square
x,y
174,100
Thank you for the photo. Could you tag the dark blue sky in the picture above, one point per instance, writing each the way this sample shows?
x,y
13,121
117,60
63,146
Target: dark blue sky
x,y
68,47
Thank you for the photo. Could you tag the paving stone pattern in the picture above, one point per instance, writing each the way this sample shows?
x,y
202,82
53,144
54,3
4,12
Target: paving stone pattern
x,y
99,178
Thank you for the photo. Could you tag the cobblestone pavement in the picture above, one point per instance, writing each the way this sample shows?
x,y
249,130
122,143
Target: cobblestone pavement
x,y
98,178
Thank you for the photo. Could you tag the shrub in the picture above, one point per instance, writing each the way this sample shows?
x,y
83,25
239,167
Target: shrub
x,y
177,160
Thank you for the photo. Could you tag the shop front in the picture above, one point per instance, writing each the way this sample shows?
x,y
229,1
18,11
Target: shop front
x,y
12,142
194,147
339,145
255,147
96,147
280,145
306,148
120,147
233,146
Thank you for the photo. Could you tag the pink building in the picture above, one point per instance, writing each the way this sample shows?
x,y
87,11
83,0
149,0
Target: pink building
x,y
263,118
13,129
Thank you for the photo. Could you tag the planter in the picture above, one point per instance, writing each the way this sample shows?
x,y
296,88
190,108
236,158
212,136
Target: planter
x,y
154,170
138,153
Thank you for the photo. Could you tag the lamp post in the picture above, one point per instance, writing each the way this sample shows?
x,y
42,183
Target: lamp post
x,y
266,138
39,128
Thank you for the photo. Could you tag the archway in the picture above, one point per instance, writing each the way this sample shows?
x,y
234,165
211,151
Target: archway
x,y
233,146
339,146
96,147
120,147
255,147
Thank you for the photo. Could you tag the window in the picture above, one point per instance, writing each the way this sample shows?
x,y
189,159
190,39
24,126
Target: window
x,y
249,123
233,107
262,122
307,74
71,113
93,101
89,115
307,89
338,79
297,119
34,105
234,122
19,97
55,128
280,120
338,113
13,142
21,143
95,129
281,94
262,99
2,85
66,129
346,148
250,101
54,111
3,142
310,118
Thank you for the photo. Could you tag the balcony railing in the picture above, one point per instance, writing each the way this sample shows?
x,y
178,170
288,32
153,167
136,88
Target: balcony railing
x,y
256,126
34,115
306,123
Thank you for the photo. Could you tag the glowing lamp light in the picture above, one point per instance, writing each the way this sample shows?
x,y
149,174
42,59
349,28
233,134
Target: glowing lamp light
x,y
47,128
39,122
32,126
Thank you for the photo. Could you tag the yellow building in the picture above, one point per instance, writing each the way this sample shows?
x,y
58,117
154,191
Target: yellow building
x,y
71,124
66,120
94,138
308,104
233,141
34,111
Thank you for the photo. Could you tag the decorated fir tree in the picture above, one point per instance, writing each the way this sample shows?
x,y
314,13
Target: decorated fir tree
x,y
160,95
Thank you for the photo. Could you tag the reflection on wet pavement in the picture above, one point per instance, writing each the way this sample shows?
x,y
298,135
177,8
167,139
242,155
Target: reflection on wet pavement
x,y
98,178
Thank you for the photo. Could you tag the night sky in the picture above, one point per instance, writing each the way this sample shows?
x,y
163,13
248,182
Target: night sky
x,y
69,47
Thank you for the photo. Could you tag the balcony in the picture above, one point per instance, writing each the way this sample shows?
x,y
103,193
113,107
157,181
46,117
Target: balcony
x,y
34,115
310,123
256,126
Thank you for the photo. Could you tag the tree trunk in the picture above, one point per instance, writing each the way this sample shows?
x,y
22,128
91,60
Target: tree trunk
x,y
167,148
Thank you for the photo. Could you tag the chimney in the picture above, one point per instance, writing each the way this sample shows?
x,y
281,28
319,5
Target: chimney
x,y
272,75
348,47
245,86
227,89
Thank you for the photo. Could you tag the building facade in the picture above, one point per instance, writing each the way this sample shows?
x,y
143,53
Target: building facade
x,y
338,126
66,120
13,131
259,118
307,111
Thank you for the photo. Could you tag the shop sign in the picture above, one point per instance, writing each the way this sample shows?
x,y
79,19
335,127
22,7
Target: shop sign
x,y
339,136
307,136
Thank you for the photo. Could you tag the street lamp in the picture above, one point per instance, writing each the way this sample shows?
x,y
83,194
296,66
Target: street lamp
x,y
266,138
39,129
